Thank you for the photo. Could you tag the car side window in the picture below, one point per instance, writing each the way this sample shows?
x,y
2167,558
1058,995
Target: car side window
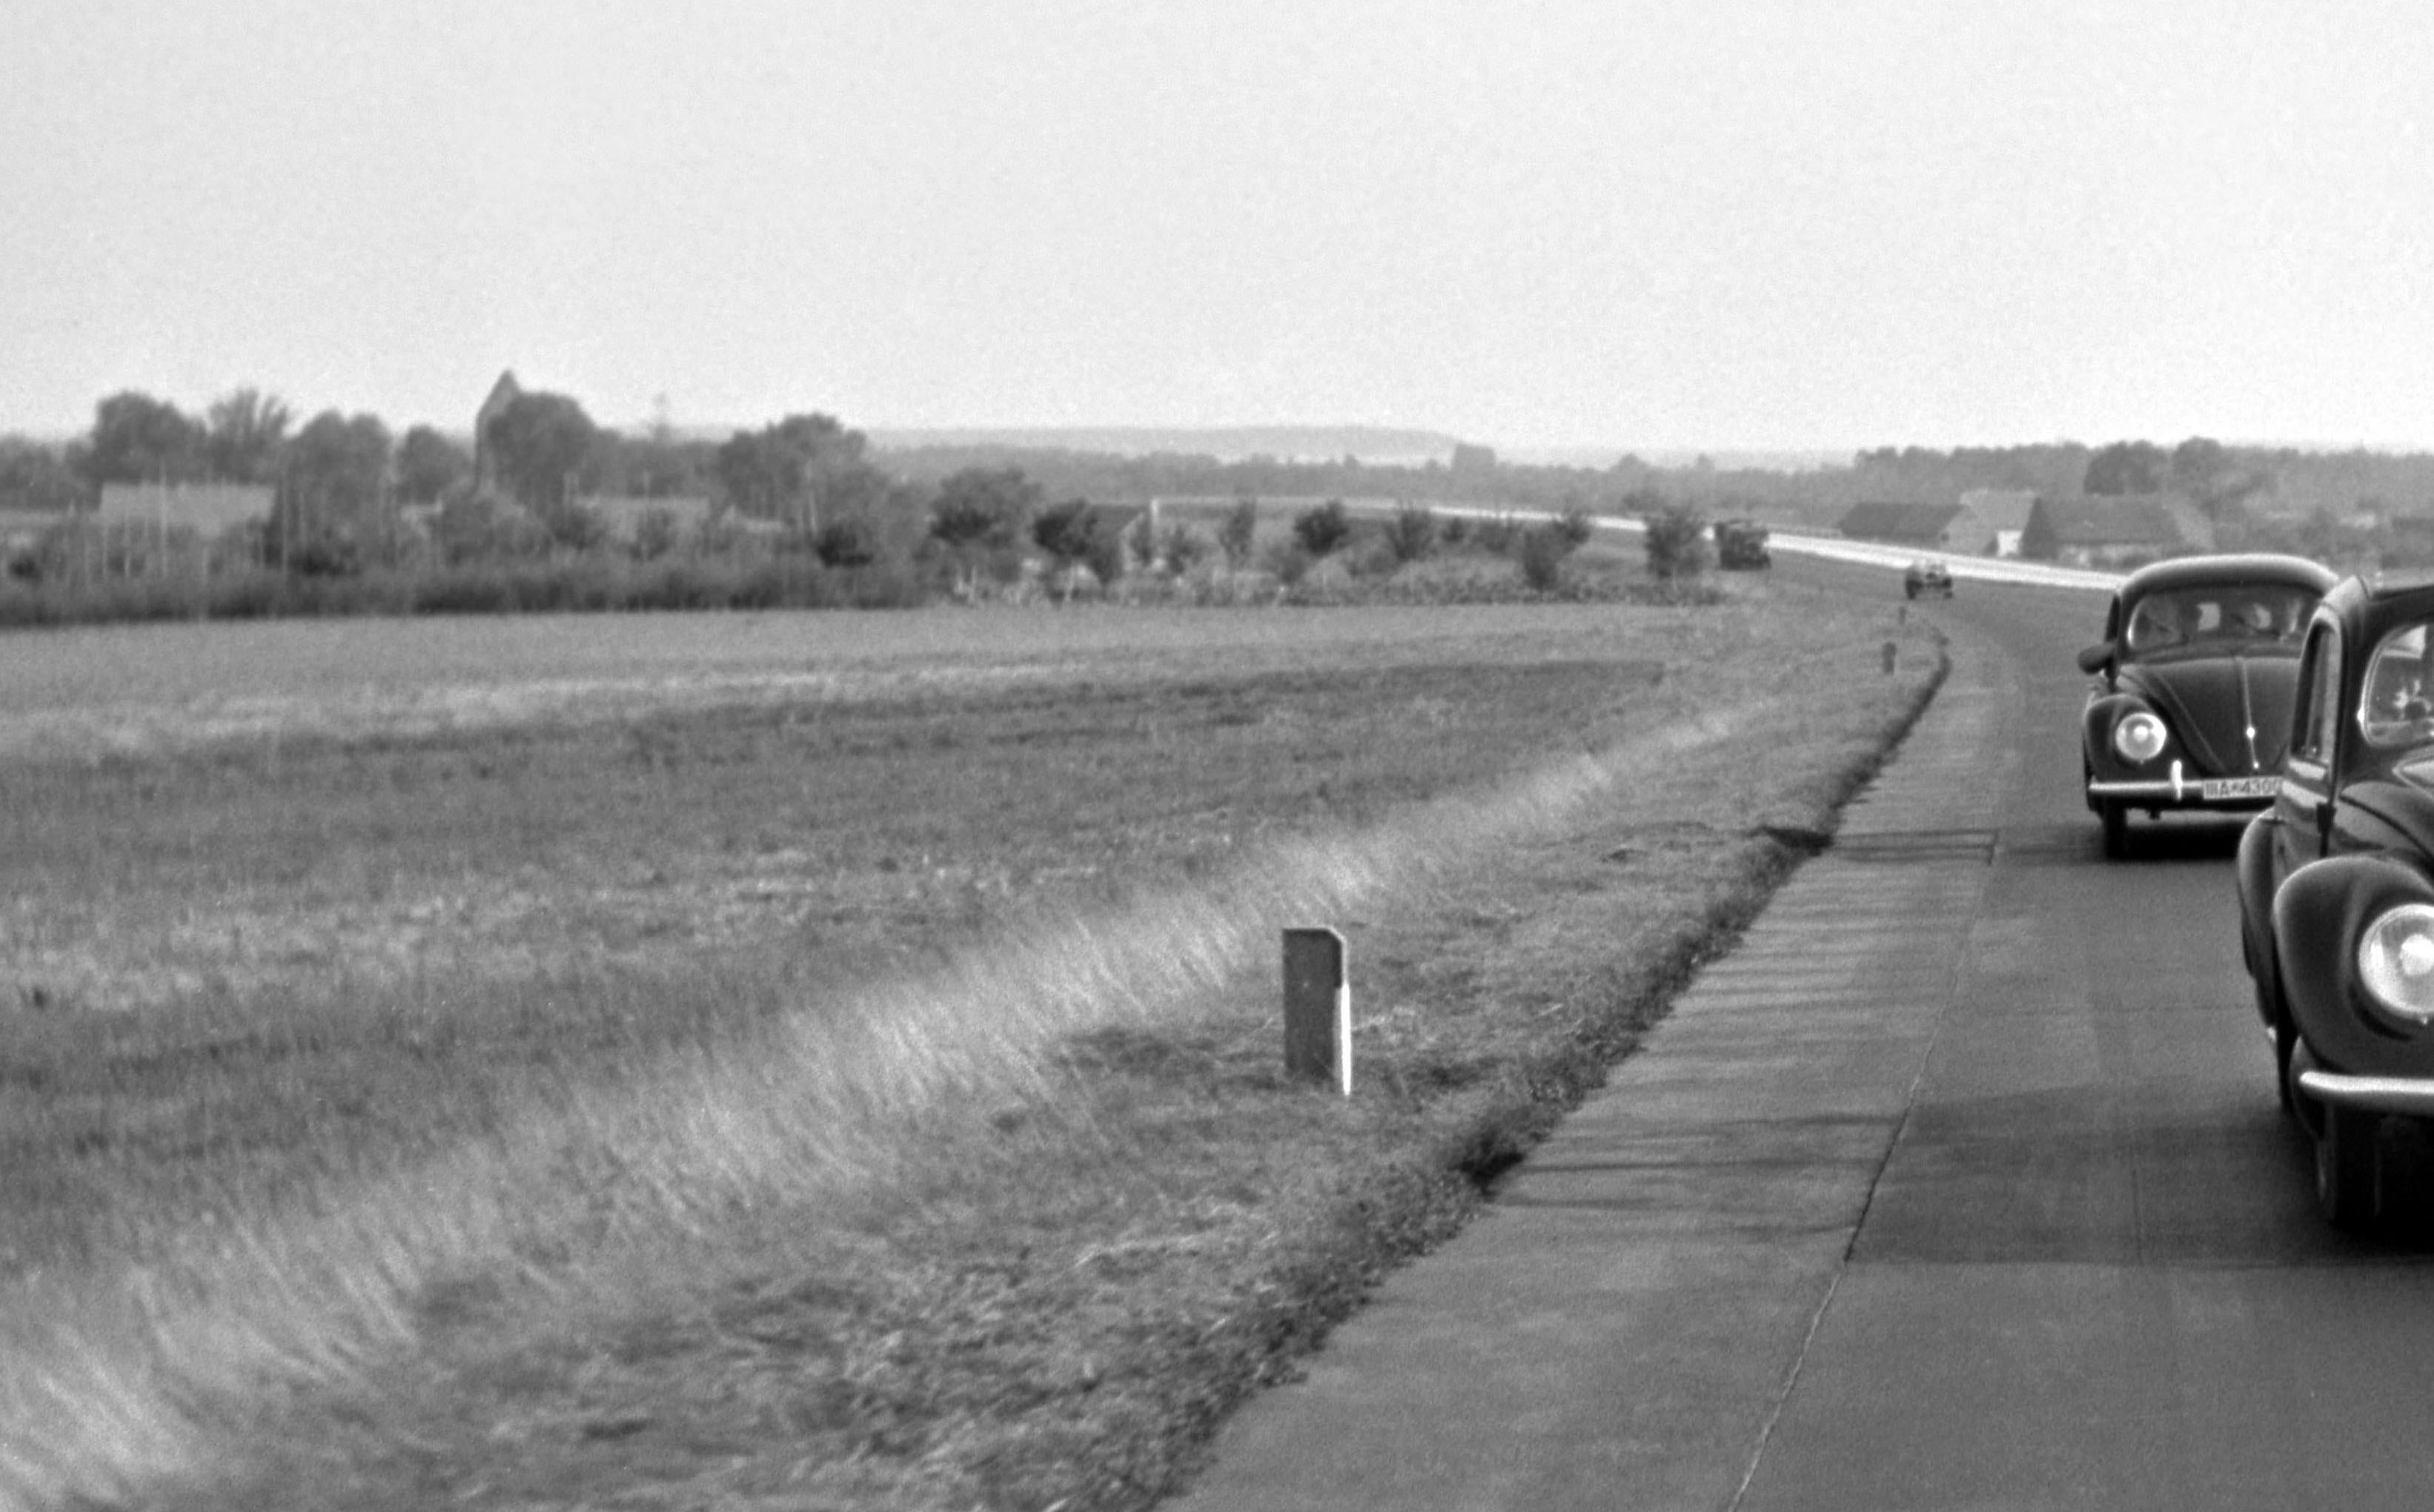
x,y
2398,703
2318,694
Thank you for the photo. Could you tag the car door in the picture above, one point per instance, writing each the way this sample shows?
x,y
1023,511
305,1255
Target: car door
x,y
2304,807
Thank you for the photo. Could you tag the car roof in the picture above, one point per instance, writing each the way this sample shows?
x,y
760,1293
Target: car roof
x,y
2240,567
2373,605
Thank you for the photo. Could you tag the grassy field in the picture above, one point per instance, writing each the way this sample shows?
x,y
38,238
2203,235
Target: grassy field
x,y
815,1059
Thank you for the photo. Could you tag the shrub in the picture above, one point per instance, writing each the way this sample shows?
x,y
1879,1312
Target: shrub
x,y
1575,525
1287,560
844,544
1370,556
1542,551
1322,529
1455,530
1182,548
1413,534
654,535
1234,536
1677,542
1498,533
1108,555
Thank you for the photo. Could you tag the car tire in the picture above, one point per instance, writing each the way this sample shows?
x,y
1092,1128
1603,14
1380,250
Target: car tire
x,y
2117,828
2349,1173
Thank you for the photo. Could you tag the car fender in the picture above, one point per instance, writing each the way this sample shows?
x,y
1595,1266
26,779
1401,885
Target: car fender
x,y
2319,915
2253,872
2096,731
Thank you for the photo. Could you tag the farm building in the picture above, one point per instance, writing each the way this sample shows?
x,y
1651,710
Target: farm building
x,y
2004,513
2087,531
208,509
1927,527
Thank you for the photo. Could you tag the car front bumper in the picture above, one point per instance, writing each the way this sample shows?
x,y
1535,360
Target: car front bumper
x,y
2179,790
2407,1096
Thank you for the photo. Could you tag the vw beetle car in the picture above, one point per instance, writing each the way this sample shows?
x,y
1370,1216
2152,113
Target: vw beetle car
x,y
2337,887
1927,577
2192,705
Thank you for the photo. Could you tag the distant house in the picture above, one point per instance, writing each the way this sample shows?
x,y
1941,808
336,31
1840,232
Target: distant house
x,y
624,514
2004,513
2101,531
1923,527
208,509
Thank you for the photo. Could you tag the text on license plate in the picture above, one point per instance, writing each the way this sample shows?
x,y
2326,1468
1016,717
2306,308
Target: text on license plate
x,y
2221,787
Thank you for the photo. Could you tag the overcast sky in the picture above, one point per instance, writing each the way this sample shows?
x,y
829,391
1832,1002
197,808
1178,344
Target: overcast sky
x,y
1805,224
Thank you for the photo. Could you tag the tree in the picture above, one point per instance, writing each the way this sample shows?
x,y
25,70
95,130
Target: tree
x,y
1182,546
1070,533
2197,463
137,439
1323,528
1677,536
541,442
2126,467
980,513
1234,534
845,543
429,464
37,478
1414,533
331,514
242,433
474,526
799,470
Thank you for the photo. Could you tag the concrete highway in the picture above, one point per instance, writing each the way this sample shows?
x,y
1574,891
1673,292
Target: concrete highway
x,y
1959,1184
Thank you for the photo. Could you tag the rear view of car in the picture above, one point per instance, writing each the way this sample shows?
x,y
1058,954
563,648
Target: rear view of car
x,y
2192,711
1740,545
1927,579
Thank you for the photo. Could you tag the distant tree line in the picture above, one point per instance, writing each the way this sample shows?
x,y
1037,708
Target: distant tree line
x,y
350,497
2215,475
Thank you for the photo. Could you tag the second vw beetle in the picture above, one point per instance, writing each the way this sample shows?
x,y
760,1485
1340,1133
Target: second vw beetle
x,y
2193,705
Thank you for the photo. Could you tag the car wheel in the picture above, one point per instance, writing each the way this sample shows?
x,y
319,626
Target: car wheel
x,y
2349,1174
2117,828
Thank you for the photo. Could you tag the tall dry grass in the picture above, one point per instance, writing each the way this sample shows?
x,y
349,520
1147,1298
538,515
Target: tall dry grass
x,y
127,1376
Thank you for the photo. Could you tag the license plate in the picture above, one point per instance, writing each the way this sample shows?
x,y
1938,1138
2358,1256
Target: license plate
x,y
2216,788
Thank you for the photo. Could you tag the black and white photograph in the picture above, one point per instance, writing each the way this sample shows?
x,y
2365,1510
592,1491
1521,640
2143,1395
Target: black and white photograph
x,y
836,756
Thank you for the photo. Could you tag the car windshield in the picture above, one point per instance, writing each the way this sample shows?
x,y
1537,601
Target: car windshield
x,y
2398,707
2217,619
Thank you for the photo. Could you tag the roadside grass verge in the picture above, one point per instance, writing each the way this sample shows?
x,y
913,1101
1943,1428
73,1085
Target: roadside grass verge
x,y
1007,1209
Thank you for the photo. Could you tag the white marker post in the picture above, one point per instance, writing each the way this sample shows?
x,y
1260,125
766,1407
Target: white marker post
x,y
1318,1007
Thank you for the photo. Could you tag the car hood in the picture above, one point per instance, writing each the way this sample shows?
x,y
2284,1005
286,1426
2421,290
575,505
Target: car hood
x,y
2211,702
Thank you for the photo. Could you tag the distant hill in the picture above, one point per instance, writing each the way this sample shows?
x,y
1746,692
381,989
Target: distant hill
x,y
1286,443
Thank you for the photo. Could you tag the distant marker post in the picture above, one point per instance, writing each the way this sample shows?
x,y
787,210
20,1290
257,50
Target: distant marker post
x,y
1318,1007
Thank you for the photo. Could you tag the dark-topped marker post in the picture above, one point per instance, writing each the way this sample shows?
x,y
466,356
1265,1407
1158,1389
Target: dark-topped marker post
x,y
1318,1007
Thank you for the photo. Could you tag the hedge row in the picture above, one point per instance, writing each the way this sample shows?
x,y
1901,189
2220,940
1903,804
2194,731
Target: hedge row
x,y
587,584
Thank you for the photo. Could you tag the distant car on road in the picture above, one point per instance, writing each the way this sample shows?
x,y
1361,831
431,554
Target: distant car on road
x,y
1740,545
1927,579
2191,707
2336,885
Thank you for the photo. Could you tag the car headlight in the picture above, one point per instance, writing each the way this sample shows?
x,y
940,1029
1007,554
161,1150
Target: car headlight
x,y
2139,737
2396,962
